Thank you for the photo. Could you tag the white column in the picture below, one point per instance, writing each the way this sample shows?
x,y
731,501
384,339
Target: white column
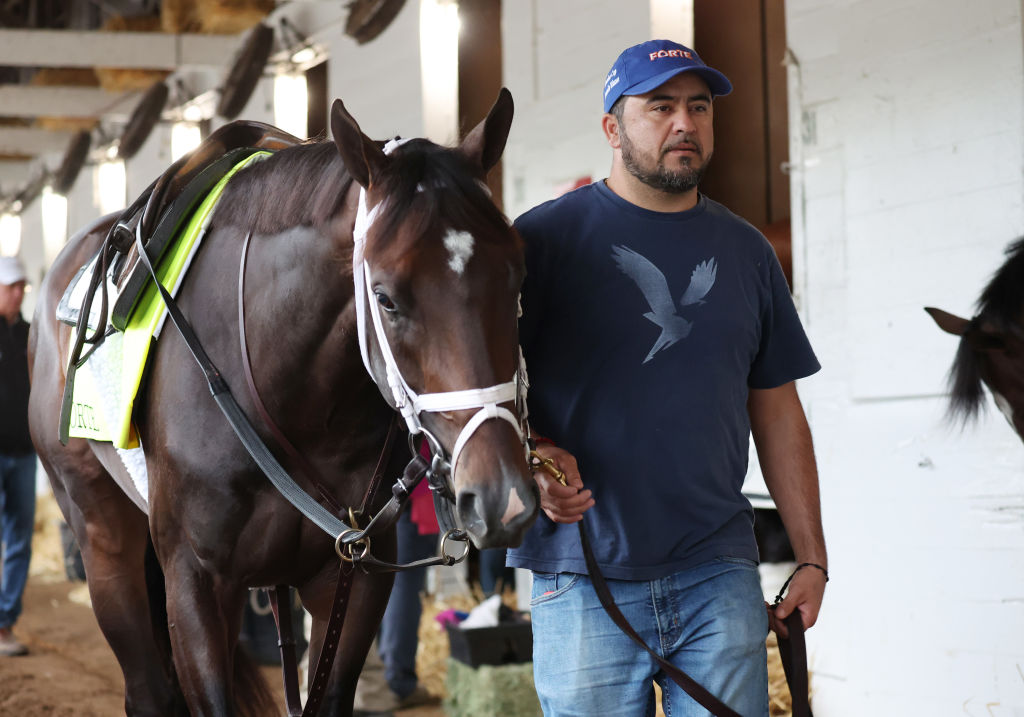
x,y
439,68
672,20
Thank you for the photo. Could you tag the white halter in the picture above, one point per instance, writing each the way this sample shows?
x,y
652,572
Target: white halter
x,y
406,400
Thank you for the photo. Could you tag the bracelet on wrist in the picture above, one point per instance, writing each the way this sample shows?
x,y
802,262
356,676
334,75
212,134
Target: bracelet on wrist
x,y
782,590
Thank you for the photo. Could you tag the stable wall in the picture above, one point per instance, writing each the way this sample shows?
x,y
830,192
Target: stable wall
x,y
906,139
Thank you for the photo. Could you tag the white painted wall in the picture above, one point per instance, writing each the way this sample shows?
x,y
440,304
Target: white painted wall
x,y
907,123
907,116
555,57
379,82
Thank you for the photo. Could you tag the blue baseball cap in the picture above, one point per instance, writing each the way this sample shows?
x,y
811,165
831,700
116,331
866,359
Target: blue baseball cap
x,y
650,64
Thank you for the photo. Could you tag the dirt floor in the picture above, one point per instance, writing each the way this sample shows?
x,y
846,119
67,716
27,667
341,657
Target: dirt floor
x,y
70,671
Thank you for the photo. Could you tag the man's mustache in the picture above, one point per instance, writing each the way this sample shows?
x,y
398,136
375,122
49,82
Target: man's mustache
x,y
685,142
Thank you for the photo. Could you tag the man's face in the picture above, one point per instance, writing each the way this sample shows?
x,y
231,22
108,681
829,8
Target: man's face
x,y
666,136
10,298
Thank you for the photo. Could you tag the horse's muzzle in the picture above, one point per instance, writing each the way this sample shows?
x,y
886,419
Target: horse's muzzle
x,y
497,513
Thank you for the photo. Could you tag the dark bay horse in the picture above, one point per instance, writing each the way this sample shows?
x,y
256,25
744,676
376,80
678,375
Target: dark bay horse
x,y
991,350
443,267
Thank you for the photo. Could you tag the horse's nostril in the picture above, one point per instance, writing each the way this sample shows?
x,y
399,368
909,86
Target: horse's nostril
x,y
469,514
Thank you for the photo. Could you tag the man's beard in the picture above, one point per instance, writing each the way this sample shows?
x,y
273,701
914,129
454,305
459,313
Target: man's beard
x,y
677,181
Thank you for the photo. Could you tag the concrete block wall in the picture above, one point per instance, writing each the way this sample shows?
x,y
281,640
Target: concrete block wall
x,y
556,56
379,82
906,122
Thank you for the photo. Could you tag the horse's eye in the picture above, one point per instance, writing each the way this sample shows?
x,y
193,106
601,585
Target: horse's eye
x,y
385,302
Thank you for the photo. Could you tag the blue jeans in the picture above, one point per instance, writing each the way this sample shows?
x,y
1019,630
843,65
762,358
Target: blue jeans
x,y
492,567
17,514
709,621
398,637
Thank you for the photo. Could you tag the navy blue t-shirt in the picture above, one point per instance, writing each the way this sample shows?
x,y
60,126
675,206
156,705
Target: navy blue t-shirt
x,y
642,333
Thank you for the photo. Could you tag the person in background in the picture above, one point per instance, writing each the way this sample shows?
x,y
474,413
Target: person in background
x,y
388,680
17,457
659,332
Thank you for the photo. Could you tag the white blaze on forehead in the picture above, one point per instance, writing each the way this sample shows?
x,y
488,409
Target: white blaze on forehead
x,y
460,249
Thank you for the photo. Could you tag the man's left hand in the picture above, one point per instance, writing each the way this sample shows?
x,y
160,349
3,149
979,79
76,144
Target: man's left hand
x,y
806,591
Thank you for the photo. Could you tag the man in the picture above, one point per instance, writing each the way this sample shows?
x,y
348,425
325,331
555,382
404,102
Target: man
x,y
659,331
17,460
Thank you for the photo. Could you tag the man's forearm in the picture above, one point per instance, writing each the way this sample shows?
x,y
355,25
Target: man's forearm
x,y
786,454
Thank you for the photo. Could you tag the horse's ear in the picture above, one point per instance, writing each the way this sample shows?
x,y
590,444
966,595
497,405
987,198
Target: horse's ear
x,y
485,143
363,158
948,322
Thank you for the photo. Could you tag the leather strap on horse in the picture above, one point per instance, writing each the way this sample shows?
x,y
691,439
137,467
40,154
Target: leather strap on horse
x,y
259,452
279,595
328,651
792,650
312,474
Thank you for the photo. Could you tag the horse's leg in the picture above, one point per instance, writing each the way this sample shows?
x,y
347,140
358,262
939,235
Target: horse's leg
x,y
366,604
205,613
113,534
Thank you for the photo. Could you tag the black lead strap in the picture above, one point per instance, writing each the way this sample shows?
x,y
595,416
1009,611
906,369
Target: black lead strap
x,y
792,650
693,688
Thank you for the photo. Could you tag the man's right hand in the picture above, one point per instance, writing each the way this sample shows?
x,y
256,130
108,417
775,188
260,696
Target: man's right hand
x,y
562,503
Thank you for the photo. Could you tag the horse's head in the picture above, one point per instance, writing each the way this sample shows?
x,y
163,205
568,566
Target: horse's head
x,y
989,352
438,270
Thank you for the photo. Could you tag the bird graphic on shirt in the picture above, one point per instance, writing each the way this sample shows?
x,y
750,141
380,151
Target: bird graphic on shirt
x,y
652,284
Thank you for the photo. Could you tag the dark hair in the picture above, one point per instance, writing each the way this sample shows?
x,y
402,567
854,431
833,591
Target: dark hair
x,y
1003,298
618,107
411,182
301,185
306,185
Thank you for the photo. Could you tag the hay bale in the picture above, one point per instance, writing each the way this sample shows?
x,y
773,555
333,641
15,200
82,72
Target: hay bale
x,y
178,16
129,80
491,691
67,124
230,17
116,79
132,23
65,77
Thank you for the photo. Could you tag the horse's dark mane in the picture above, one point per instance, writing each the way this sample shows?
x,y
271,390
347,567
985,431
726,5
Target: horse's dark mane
x,y
413,182
301,185
1003,299
1000,305
306,185
965,391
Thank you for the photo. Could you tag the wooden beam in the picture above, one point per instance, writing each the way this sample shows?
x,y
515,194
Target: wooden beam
x,y
54,101
30,141
14,173
141,50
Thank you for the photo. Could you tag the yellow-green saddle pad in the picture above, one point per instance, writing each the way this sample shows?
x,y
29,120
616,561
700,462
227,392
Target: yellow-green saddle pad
x,y
107,383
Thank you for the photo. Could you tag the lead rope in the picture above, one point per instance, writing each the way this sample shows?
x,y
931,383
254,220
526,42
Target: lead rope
x,y
792,650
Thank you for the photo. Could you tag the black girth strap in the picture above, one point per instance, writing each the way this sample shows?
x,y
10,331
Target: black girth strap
x,y
792,650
